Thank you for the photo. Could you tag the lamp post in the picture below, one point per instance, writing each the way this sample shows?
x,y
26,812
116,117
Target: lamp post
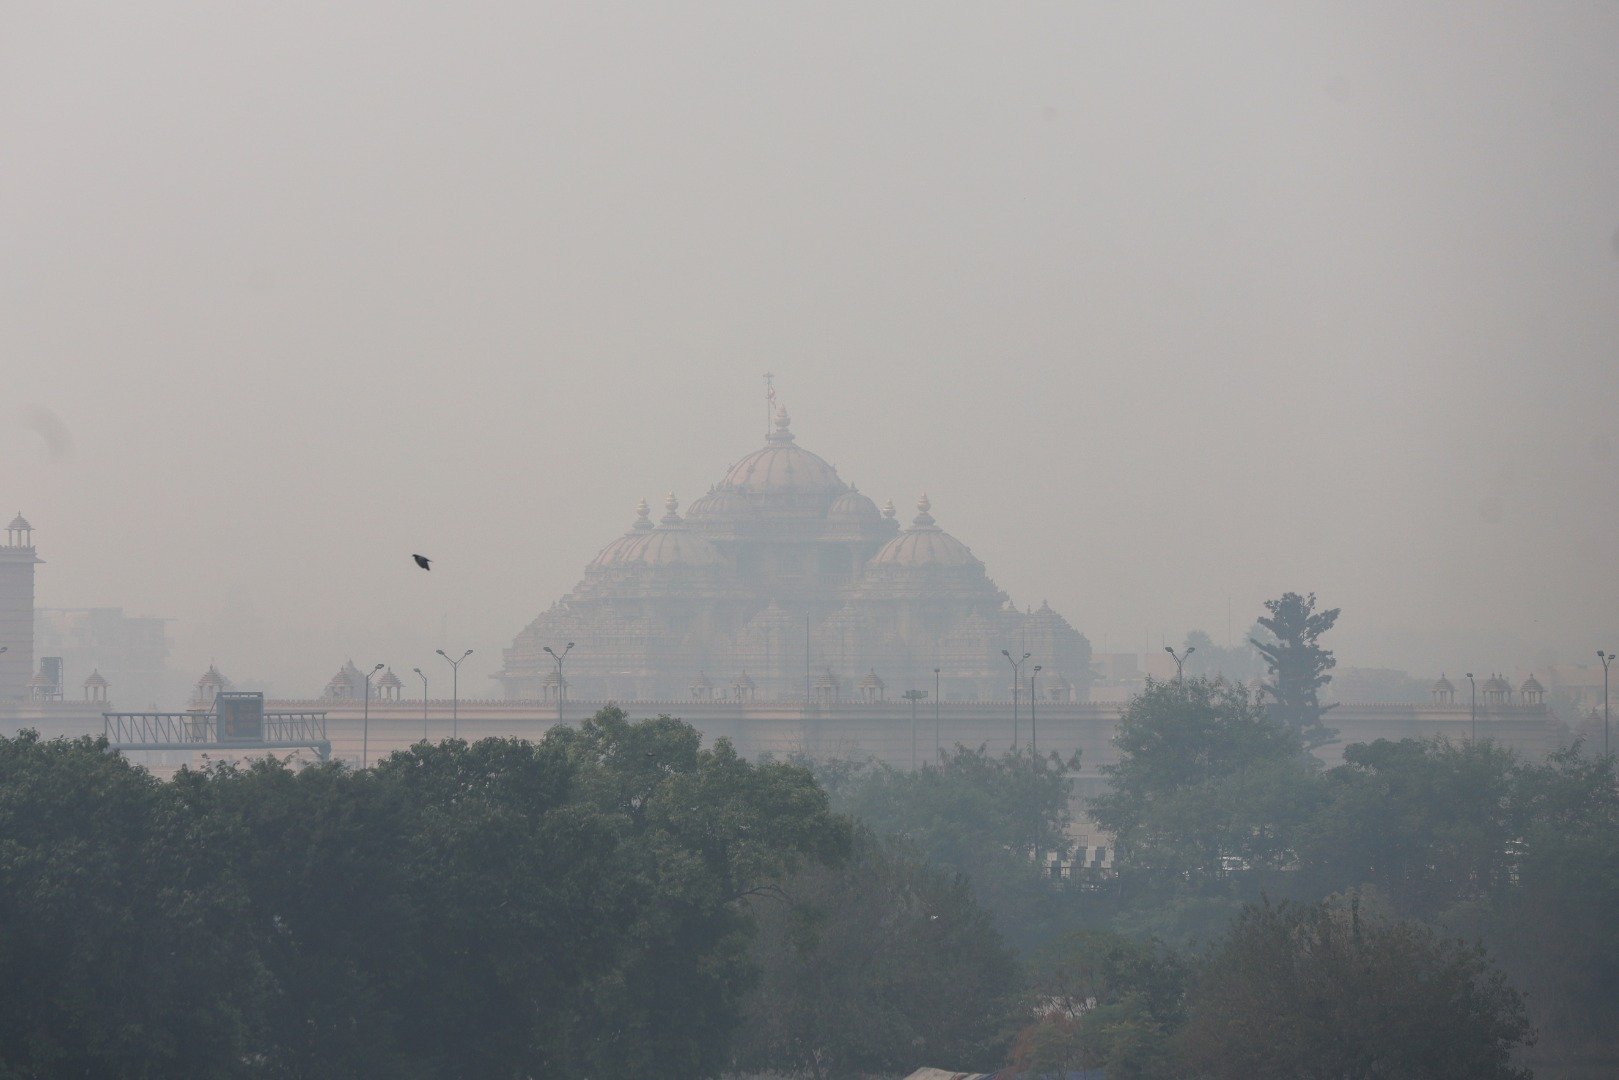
x,y
1472,709
455,692
1017,680
935,716
562,687
1034,728
365,729
423,674
913,696
1606,658
1180,661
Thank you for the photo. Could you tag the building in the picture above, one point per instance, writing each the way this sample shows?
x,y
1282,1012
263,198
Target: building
x,y
784,583
131,652
17,561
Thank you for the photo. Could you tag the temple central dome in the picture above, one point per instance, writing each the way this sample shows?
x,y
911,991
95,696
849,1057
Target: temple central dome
x,y
786,583
782,468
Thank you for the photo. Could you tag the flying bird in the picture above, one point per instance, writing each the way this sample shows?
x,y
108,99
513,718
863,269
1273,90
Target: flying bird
x,y
422,561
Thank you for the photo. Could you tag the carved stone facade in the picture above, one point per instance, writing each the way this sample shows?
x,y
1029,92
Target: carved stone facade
x,y
783,583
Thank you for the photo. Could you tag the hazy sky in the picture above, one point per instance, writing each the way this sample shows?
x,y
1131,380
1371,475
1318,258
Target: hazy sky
x,y
1166,307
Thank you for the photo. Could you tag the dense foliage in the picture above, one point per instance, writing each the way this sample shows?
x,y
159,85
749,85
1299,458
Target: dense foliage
x,y
511,909
992,820
874,964
1328,992
616,901
1217,809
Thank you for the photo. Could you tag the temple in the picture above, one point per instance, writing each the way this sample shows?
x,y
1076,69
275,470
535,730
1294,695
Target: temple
x,y
784,583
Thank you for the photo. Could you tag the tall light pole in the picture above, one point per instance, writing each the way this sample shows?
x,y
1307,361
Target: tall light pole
x,y
1034,729
1606,658
562,687
1472,688
1180,661
365,730
913,696
423,674
455,692
1017,680
935,716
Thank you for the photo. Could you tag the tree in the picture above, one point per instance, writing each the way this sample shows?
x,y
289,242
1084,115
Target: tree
x,y
1107,1002
499,909
990,819
1329,991
1430,824
1205,803
1298,664
1554,930
879,964
121,951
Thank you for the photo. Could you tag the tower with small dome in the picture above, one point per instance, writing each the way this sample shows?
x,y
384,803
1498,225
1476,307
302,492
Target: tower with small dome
x,y
17,561
783,582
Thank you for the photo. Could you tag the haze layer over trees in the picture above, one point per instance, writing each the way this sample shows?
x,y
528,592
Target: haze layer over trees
x,y
616,901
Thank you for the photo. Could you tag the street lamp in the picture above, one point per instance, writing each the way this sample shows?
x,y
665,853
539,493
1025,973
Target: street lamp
x,y
1017,680
1034,730
935,716
365,730
455,692
913,696
1472,688
562,687
1180,661
1606,658
423,674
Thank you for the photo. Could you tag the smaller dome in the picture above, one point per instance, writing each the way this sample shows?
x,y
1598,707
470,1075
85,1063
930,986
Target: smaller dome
x,y
720,504
212,677
20,522
623,549
675,547
854,507
924,544
1497,685
871,681
742,682
1531,685
1443,686
390,680
702,682
888,509
41,681
95,681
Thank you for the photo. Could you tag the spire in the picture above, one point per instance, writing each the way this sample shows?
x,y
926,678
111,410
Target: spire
x,y
923,519
782,434
671,506
643,515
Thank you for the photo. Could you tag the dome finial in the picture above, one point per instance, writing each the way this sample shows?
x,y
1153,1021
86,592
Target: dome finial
x,y
671,507
643,515
888,509
923,519
782,434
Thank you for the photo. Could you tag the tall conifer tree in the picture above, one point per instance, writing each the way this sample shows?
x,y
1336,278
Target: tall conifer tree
x,y
1298,664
